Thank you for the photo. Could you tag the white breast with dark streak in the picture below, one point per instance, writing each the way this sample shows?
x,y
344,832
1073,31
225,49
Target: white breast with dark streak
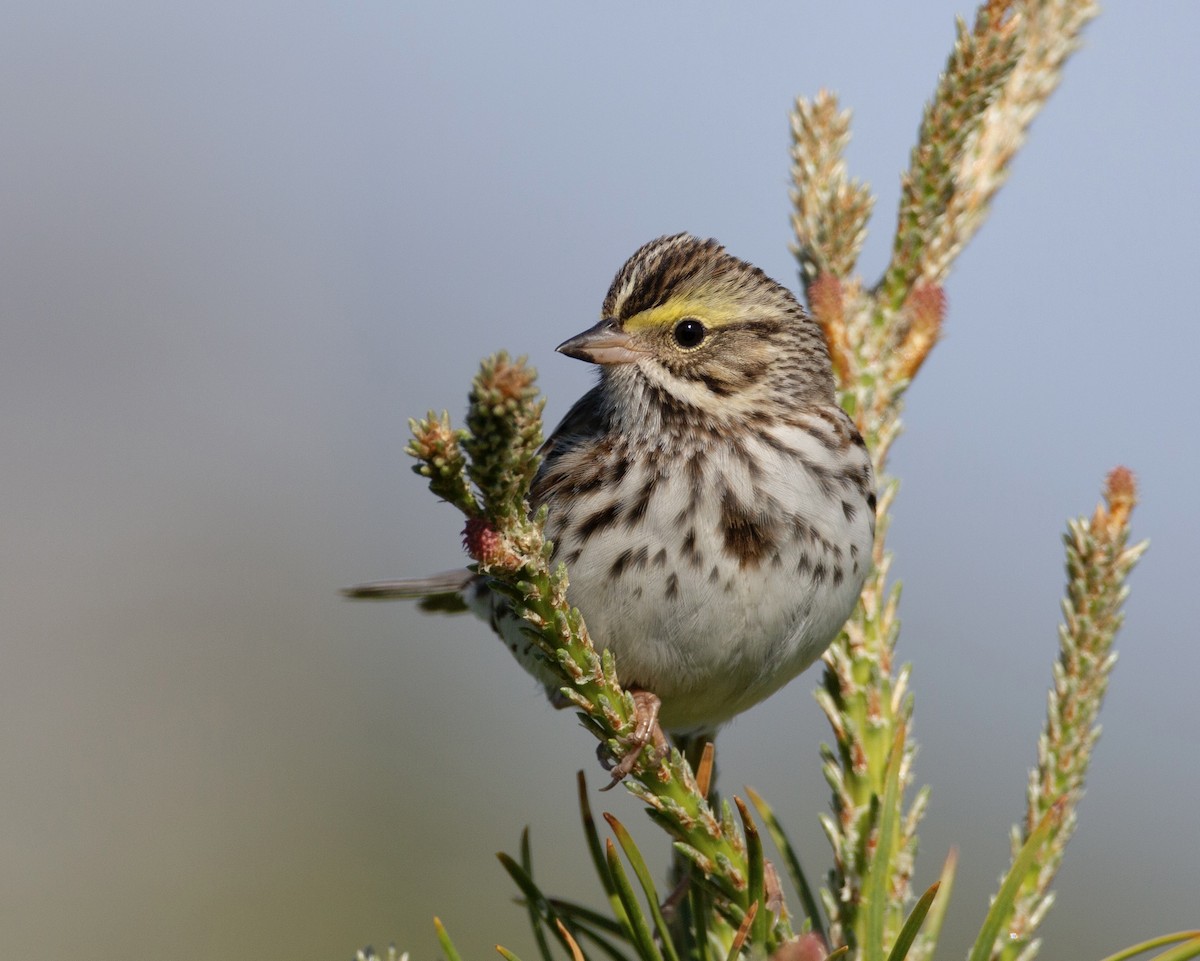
x,y
710,613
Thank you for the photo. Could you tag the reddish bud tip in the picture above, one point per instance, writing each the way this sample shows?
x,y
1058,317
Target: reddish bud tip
x,y
807,947
827,298
482,540
1120,485
1120,494
926,306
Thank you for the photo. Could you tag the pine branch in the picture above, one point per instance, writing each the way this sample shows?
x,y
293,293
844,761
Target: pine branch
x,y
998,76
1099,561
498,453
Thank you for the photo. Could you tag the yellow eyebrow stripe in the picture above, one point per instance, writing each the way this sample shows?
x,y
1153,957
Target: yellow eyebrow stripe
x,y
712,313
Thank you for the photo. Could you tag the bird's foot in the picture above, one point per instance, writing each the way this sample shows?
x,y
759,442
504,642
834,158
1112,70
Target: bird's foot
x,y
646,730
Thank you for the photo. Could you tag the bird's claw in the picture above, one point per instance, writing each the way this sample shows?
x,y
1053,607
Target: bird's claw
x,y
646,730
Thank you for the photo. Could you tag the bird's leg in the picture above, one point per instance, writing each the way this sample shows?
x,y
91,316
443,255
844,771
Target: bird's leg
x,y
645,731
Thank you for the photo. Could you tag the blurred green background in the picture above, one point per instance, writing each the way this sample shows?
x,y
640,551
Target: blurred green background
x,y
240,243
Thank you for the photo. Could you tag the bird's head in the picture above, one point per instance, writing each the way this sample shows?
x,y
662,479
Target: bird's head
x,y
711,331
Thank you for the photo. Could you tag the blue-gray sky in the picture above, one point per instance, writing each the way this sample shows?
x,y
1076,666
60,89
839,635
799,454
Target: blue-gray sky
x,y
242,243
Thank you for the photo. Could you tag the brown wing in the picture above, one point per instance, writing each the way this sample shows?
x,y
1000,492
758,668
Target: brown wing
x,y
584,422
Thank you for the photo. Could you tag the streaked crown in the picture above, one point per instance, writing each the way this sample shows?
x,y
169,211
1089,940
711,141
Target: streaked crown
x,y
675,275
714,329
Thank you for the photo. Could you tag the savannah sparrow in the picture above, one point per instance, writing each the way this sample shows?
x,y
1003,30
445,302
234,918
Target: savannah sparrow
x,y
714,505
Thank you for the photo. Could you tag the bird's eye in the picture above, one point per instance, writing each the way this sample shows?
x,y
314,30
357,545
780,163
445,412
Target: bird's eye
x,y
689,333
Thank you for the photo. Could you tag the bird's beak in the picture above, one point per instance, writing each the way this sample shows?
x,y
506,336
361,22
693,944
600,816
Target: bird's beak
x,y
606,343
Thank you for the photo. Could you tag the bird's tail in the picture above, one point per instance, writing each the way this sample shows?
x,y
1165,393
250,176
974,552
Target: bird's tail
x,y
438,592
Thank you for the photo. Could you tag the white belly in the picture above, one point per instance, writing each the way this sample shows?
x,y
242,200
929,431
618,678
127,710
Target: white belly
x,y
710,630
